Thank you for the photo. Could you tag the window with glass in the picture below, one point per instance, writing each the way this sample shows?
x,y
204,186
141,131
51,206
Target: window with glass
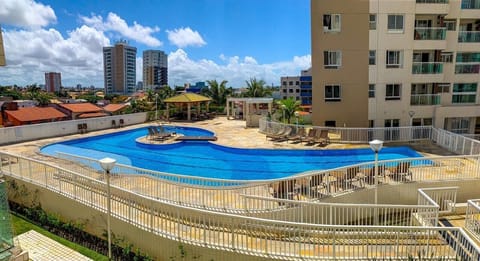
x,y
371,91
373,21
392,92
464,93
331,22
371,57
468,57
332,59
395,23
458,125
451,25
446,57
394,59
332,92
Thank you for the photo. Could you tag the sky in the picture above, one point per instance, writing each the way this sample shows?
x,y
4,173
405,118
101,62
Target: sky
x,y
232,40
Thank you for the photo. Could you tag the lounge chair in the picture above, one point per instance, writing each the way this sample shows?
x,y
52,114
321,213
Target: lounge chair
x,y
321,137
311,136
275,134
297,136
285,189
402,172
285,135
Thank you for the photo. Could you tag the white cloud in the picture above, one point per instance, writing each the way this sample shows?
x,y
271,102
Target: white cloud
x,y
32,53
26,13
184,37
114,23
182,69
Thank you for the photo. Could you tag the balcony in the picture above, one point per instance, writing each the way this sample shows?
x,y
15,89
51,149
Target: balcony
x,y
427,68
467,68
424,99
432,1
432,7
306,86
469,37
470,4
430,33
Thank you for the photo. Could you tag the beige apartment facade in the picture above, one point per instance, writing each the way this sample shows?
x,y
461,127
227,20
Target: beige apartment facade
x,y
397,63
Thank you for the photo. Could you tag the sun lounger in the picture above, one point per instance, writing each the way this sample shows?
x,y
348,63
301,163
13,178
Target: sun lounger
x,y
321,137
298,136
285,189
275,134
402,172
311,136
285,135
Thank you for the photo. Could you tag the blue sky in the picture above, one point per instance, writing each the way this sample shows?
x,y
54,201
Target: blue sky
x,y
205,39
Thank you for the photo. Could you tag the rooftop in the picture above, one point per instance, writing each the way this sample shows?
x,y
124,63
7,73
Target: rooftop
x,y
81,107
35,113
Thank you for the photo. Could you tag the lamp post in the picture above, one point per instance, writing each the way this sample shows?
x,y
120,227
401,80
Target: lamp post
x,y
411,114
296,119
156,106
107,165
376,146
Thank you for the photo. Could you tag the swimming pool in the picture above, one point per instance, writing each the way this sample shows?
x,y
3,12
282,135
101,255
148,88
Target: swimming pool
x,y
206,159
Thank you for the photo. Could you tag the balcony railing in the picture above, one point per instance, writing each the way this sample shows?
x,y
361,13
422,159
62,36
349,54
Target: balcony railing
x,y
427,68
425,99
470,4
432,1
469,37
467,68
430,33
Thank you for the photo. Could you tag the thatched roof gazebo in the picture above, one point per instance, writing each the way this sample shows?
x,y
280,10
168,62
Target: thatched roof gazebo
x,y
189,99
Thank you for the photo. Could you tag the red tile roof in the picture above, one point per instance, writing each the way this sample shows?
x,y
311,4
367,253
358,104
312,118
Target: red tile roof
x,y
114,107
35,114
92,115
81,107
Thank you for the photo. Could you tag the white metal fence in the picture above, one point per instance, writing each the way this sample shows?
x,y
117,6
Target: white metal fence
x,y
247,196
472,218
248,235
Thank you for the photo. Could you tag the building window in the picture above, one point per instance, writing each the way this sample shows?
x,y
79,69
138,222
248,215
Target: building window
x,y
297,90
332,93
284,90
284,83
290,83
373,21
442,88
395,23
394,59
331,23
450,24
392,92
290,90
446,57
371,91
464,93
459,125
371,57
332,59
297,83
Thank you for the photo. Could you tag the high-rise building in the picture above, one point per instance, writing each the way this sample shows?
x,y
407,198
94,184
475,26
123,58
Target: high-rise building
x,y
155,69
119,65
2,50
53,81
383,63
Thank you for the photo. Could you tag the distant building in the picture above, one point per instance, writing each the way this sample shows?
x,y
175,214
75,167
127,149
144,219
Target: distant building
x,y
2,50
33,115
53,81
197,88
155,69
81,110
297,87
119,64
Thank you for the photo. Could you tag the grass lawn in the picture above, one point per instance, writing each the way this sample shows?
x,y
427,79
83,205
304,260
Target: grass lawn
x,y
21,226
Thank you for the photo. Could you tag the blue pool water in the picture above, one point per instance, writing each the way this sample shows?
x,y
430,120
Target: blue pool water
x,y
205,159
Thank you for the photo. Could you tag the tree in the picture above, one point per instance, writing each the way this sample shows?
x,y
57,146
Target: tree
x,y
43,99
289,107
256,88
150,95
163,93
218,92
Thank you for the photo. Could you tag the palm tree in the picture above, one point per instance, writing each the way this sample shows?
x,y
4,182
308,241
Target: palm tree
x,y
43,99
218,92
289,107
150,95
256,88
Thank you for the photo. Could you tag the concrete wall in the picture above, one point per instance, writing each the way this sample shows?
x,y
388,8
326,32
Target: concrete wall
x,y
61,128
159,247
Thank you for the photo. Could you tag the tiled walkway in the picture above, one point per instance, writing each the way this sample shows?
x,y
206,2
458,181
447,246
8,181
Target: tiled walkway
x,y
42,248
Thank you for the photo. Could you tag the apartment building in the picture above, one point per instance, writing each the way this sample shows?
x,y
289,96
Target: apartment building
x,y
2,50
119,64
387,63
155,69
297,87
53,81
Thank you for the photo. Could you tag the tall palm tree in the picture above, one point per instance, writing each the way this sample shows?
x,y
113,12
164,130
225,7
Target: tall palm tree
x,y
218,92
149,95
289,107
256,88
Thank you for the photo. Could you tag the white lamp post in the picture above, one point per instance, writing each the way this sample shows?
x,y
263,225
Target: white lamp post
x,y
376,146
156,106
296,119
107,165
411,114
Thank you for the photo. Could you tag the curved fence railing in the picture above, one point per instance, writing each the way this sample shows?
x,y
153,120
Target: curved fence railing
x,y
248,235
472,218
237,196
